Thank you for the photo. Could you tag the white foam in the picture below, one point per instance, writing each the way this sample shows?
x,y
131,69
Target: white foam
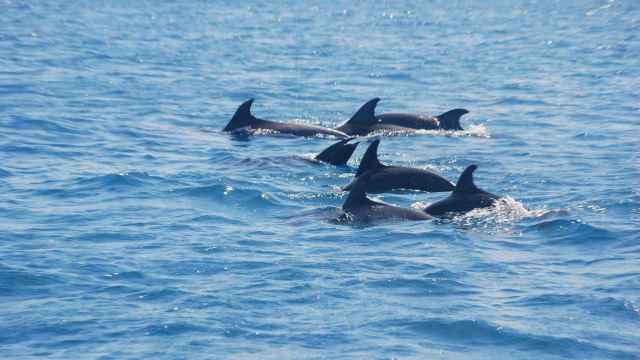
x,y
474,130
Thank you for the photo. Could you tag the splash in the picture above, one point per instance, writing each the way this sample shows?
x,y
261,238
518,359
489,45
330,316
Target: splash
x,y
500,217
474,130
276,133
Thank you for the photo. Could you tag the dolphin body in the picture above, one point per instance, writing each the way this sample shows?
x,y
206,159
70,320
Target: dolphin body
x,y
465,197
338,153
243,119
359,208
364,121
384,178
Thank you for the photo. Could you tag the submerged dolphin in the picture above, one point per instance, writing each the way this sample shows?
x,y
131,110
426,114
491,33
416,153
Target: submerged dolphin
x,y
465,197
243,119
338,153
385,178
359,208
364,121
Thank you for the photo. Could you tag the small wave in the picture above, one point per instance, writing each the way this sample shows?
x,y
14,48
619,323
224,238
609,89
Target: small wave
x,y
119,179
52,127
570,231
430,286
173,329
164,295
88,186
511,100
621,309
111,236
231,195
14,281
479,333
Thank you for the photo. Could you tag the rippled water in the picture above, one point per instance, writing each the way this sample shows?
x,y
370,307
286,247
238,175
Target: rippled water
x,y
131,227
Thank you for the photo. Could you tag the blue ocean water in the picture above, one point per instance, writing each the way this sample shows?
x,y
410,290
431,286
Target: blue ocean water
x,y
132,227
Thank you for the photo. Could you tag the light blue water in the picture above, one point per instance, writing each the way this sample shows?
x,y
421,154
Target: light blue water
x,y
131,227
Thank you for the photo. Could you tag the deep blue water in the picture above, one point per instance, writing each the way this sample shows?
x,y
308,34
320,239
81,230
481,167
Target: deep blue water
x,y
132,227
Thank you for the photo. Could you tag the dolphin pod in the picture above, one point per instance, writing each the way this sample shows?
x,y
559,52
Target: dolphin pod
x,y
363,122
374,177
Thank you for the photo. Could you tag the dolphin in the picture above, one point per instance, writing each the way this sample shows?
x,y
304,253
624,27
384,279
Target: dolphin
x,y
338,153
385,178
243,119
359,208
465,197
364,121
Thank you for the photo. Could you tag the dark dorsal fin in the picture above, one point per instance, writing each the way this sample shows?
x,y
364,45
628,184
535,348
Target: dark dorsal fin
x,y
450,120
370,159
242,117
366,115
357,196
338,153
465,181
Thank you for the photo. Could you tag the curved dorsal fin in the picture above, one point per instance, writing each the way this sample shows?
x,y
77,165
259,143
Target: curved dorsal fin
x,y
370,159
465,181
450,120
366,115
357,196
242,117
338,153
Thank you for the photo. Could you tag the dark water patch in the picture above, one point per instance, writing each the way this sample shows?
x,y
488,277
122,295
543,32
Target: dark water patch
x,y
174,329
113,290
549,300
128,276
162,295
249,266
23,123
520,101
290,274
20,282
5,173
107,236
217,218
616,308
195,267
116,181
320,340
429,286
